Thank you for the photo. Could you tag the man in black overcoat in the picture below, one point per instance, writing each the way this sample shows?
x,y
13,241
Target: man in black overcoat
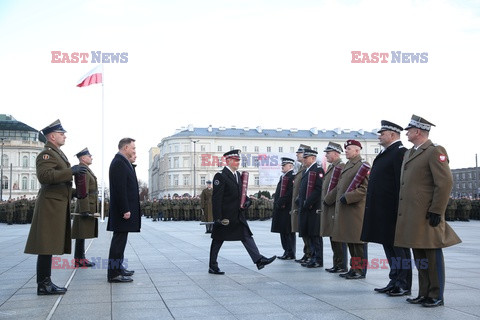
x,y
309,205
124,213
282,204
226,198
381,209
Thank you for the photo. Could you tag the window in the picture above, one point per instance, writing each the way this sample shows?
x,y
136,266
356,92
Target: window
x,y
280,149
244,148
257,181
25,161
175,162
202,148
33,183
269,149
186,162
175,179
256,162
315,148
5,182
170,163
202,180
232,147
24,183
186,148
176,148
219,148
5,160
32,162
257,148
377,150
186,179
292,149
244,162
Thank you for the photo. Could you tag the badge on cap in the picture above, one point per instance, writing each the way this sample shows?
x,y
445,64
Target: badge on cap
x,y
216,182
320,175
46,157
442,157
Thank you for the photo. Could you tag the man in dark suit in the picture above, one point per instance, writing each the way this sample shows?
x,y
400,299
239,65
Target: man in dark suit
x,y
226,198
124,213
282,204
309,203
50,232
381,209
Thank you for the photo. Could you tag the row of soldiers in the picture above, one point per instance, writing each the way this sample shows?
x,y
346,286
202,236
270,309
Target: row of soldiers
x,y
462,209
190,209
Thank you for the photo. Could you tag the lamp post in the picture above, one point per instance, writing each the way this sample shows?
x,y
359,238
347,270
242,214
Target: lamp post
x,y
194,168
1,173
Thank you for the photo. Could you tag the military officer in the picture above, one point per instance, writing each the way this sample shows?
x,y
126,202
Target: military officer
x,y
332,154
294,212
309,203
226,197
206,201
349,210
281,221
50,232
425,185
85,226
155,209
451,208
381,209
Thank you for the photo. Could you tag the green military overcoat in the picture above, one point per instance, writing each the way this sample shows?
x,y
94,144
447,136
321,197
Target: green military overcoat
x,y
296,188
50,232
328,212
87,227
425,185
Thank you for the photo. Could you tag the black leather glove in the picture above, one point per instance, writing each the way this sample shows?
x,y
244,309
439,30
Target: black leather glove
x,y
247,204
76,169
343,199
434,219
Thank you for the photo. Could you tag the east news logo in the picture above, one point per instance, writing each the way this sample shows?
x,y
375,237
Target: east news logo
x,y
383,57
82,57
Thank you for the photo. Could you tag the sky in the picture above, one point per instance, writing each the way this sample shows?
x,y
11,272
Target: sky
x,y
276,63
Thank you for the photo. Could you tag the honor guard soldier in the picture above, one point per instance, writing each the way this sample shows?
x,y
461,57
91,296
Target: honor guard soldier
x,y
332,154
381,209
282,204
206,202
85,226
425,185
50,232
226,201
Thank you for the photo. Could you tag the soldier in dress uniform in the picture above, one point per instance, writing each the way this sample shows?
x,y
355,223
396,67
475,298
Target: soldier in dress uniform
x,y
50,232
206,202
155,209
85,226
294,212
451,208
281,221
309,204
425,185
332,154
349,210
10,209
381,209
226,198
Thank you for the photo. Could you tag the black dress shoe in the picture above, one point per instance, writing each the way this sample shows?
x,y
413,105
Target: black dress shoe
x,y
344,275
313,264
304,259
417,300
289,257
354,276
120,278
215,271
335,269
384,289
431,303
264,261
83,263
397,292
47,287
282,257
127,273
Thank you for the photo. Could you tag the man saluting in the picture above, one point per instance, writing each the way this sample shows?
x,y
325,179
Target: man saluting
x,y
227,191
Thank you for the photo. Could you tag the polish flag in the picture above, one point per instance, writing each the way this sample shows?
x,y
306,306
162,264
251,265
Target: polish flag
x,y
92,77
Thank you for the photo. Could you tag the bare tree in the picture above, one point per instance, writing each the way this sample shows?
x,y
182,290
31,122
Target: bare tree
x,y
143,190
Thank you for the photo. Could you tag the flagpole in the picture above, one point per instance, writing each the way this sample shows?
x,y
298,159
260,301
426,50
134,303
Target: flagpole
x,y
103,153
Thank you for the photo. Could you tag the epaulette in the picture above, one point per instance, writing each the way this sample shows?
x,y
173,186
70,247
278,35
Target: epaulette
x,y
401,146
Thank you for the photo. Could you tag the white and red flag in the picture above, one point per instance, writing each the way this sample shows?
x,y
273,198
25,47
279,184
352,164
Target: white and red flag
x,y
93,76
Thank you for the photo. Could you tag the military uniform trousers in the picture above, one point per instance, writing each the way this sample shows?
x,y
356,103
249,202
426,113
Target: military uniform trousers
x,y
400,273
359,257
248,243
44,267
340,254
431,272
289,243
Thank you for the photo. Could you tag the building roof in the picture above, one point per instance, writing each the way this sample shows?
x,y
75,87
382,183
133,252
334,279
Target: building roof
x,y
8,122
260,133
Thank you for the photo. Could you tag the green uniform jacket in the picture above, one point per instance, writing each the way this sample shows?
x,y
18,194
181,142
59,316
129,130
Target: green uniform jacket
x,y
50,232
425,186
87,227
348,222
328,212
296,189
206,198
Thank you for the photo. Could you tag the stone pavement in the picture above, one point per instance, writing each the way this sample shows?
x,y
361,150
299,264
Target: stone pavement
x,y
170,260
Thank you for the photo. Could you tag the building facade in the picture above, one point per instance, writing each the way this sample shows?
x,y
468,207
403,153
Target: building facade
x,y
466,183
183,162
20,145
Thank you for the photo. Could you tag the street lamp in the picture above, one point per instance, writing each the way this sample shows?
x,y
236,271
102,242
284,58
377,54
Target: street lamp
x,y
194,169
